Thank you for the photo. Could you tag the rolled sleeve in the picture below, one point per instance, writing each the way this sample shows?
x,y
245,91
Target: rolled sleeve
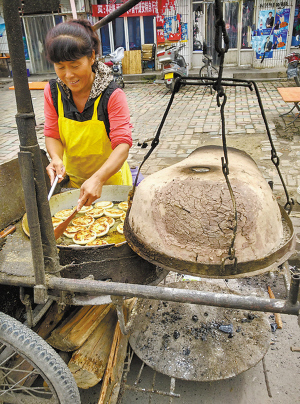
x,y
51,118
119,119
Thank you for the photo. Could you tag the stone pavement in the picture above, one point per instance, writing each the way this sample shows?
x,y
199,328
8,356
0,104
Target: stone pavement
x,y
193,121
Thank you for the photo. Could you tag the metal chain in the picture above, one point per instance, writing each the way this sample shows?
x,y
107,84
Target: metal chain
x,y
220,27
274,157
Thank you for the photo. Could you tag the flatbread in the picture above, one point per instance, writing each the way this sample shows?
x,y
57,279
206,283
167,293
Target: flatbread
x,y
104,204
83,221
71,230
106,219
113,212
56,221
96,212
120,228
123,206
63,214
98,241
86,209
99,228
122,218
83,237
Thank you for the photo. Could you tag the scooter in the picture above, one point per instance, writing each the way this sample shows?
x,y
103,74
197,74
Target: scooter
x,y
116,65
293,69
173,65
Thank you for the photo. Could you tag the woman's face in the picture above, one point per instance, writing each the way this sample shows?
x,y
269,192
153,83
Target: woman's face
x,y
76,74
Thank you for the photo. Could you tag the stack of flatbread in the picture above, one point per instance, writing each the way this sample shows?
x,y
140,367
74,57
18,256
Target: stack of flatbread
x,y
93,222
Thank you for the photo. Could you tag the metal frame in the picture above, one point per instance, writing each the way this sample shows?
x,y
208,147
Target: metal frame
x,y
43,244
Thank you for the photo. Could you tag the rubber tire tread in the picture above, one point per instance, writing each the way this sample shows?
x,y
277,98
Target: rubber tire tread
x,y
32,347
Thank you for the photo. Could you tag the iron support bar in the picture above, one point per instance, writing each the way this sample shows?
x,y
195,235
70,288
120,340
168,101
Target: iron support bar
x,y
26,128
294,289
116,13
26,169
175,295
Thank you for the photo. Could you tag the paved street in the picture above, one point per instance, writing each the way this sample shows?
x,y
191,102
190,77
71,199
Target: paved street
x,y
194,121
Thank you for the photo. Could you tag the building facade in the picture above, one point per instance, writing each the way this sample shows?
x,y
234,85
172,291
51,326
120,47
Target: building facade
x,y
261,32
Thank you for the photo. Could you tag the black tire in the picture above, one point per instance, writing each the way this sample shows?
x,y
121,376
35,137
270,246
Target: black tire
x,y
297,78
172,85
19,341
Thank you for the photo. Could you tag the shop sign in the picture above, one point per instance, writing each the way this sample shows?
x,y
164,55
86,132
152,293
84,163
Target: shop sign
x,y
272,4
143,8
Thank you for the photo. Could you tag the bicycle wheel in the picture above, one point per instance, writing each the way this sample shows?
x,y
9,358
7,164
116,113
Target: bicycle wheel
x,y
212,72
208,71
204,73
31,372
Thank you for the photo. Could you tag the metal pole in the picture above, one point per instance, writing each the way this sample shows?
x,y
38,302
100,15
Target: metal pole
x,y
26,127
174,295
115,14
26,168
294,289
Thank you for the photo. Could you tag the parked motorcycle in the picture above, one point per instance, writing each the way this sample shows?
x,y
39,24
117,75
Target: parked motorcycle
x,y
293,69
116,65
173,65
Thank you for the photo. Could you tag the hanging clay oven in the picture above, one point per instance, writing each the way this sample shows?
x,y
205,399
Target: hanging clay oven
x,y
182,217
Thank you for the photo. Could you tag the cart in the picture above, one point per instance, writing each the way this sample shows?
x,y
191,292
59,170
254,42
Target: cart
x,y
36,264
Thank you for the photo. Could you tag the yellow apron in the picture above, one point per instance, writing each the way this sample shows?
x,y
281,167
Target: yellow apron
x,y
86,148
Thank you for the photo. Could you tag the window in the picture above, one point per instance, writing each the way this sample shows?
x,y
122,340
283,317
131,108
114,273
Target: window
x,y
148,29
247,23
198,26
118,31
126,32
134,33
231,21
105,42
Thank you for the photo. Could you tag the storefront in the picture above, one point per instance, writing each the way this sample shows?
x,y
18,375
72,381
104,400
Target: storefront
x,y
252,42
261,32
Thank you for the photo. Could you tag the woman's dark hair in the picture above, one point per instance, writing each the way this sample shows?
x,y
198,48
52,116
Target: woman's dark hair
x,y
71,40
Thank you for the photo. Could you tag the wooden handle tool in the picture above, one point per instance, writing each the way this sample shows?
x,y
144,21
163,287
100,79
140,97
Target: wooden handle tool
x,y
10,229
58,231
277,315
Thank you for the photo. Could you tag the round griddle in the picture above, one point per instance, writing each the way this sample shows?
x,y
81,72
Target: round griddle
x,y
200,343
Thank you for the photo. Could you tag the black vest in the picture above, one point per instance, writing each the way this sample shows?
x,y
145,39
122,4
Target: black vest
x,y
70,109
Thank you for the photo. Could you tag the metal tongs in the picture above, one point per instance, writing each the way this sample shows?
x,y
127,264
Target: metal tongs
x,y
58,231
53,187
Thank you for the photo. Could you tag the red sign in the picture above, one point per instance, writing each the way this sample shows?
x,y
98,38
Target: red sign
x,y
141,9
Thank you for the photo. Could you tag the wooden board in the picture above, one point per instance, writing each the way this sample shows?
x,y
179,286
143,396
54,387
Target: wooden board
x,y
37,85
76,329
132,62
88,363
289,94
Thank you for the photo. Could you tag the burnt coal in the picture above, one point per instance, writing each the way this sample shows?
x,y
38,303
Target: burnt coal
x,y
226,328
176,334
273,327
186,351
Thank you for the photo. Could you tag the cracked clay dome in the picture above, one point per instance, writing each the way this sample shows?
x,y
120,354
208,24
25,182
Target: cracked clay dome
x,y
181,217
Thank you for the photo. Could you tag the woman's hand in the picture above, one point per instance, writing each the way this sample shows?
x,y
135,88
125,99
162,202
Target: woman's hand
x,y
90,190
56,151
56,167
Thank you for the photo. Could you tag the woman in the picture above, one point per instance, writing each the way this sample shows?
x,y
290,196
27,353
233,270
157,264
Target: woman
x,y
87,121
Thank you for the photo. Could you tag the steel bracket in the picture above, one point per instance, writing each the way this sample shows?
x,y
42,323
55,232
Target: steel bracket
x,y
40,294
